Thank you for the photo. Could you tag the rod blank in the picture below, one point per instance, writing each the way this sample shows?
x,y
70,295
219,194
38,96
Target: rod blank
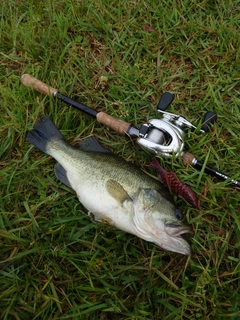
x,y
189,159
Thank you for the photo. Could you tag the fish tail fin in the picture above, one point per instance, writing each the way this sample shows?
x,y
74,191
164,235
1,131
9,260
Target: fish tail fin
x,y
42,133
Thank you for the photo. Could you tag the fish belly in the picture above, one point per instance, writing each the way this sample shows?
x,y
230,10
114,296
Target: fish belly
x,y
90,186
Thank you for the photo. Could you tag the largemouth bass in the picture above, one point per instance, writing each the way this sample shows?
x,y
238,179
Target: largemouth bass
x,y
113,189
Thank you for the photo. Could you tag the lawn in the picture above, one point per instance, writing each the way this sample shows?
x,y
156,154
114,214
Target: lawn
x,y
117,57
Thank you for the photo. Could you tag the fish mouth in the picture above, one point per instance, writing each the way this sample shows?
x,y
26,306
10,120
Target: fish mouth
x,y
177,230
176,235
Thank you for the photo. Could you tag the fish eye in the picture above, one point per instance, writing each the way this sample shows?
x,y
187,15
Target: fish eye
x,y
178,214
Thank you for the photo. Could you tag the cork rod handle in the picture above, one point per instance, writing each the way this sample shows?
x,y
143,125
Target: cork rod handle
x,y
188,158
113,123
31,82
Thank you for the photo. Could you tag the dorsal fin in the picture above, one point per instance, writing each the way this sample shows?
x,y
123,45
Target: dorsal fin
x,y
91,144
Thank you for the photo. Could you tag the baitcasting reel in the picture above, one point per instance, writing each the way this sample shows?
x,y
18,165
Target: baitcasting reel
x,y
166,136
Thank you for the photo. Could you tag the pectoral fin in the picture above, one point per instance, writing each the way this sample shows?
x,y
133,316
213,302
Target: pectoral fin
x,y
117,191
61,174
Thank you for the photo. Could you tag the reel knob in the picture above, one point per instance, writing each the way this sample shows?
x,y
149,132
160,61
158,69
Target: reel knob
x,y
209,119
165,101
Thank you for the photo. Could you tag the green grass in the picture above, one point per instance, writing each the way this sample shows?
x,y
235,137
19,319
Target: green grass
x,y
54,262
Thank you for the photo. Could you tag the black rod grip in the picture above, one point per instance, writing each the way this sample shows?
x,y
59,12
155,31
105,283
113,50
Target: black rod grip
x,y
76,105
